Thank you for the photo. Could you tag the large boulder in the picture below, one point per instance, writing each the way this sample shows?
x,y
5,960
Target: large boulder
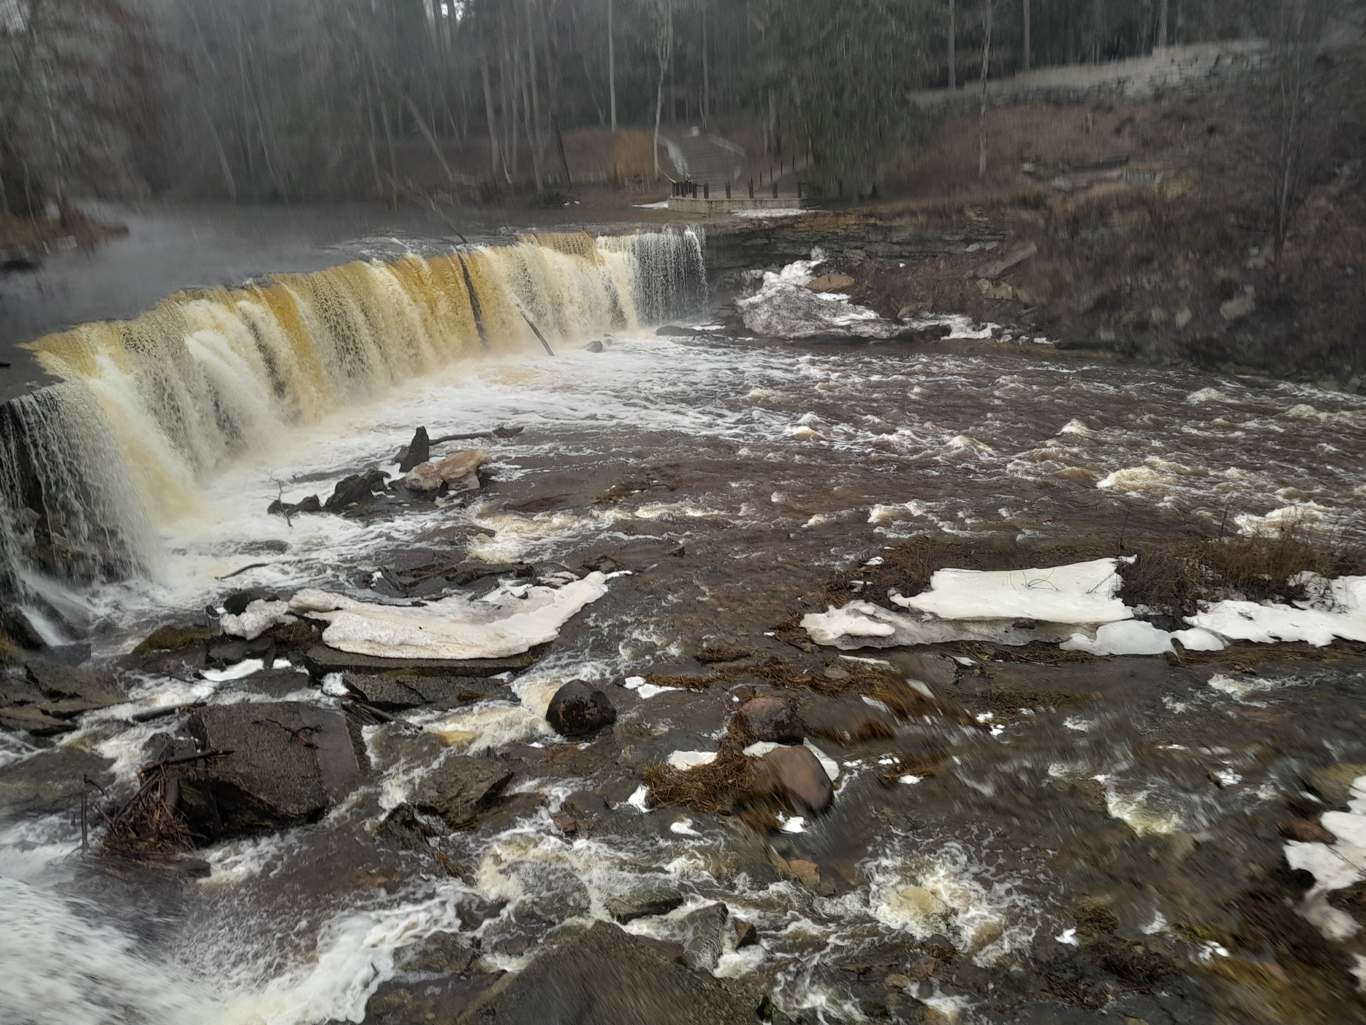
x,y
705,936
453,471
770,718
358,489
461,788
795,776
578,709
290,763
605,977
175,637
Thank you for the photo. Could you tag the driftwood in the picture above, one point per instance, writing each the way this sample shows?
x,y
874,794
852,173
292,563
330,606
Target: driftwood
x,y
239,572
149,823
536,331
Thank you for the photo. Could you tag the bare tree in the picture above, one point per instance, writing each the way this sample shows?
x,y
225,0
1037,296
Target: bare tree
x,y
664,50
988,17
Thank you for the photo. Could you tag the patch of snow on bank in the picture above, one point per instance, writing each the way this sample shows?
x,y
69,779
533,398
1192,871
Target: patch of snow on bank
x,y
1334,866
786,211
1083,592
509,621
1340,612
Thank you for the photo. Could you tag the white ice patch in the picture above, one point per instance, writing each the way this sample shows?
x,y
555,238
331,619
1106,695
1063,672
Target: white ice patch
x,y
495,626
638,798
1339,613
831,767
1083,592
644,689
690,759
1135,637
256,619
683,827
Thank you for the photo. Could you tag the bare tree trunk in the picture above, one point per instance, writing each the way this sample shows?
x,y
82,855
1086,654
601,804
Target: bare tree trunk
x,y
706,72
664,44
534,136
989,11
1162,24
953,33
489,111
1028,43
612,66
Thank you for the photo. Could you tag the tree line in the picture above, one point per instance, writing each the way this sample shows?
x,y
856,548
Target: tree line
x,y
290,99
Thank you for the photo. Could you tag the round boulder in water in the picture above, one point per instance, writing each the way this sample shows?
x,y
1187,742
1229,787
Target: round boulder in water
x,y
794,773
578,709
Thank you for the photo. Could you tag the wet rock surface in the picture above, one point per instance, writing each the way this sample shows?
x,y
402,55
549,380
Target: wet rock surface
x,y
579,709
606,977
460,789
289,763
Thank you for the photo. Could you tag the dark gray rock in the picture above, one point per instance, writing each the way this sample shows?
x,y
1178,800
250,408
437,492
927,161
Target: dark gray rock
x,y
67,683
771,718
52,780
396,691
33,721
578,709
594,346
321,660
290,763
311,504
461,788
175,637
605,977
419,451
358,489
236,603
644,901
441,952
704,932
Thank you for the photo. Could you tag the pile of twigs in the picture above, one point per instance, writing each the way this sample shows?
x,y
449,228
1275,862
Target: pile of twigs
x,y
149,824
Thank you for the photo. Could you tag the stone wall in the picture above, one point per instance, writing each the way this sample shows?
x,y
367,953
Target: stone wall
x,y
1172,70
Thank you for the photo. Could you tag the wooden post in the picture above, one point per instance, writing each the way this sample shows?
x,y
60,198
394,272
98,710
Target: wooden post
x,y
775,189
728,190
751,188
706,190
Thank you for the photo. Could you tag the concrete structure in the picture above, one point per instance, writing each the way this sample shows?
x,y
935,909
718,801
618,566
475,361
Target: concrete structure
x,y
722,205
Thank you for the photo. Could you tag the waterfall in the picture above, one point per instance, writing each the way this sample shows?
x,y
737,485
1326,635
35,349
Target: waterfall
x,y
149,409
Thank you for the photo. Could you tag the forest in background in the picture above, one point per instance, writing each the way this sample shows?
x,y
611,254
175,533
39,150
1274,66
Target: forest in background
x,y
296,99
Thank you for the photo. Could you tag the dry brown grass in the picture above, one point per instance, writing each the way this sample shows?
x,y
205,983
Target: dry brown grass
x,y
717,787
148,825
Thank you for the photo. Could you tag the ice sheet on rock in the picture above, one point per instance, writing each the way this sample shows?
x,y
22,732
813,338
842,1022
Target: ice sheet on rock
x,y
256,619
495,626
1340,612
239,671
861,624
1082,592
1135,637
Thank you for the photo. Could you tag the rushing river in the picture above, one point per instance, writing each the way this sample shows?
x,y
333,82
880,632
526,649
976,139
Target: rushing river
x,y
732,479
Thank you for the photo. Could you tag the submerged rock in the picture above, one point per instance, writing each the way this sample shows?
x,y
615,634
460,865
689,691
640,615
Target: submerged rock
x,y
644,901
607,977
705,931
358,489
175,637
311,504
578,709
290,763
770,718
454,470
460,788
